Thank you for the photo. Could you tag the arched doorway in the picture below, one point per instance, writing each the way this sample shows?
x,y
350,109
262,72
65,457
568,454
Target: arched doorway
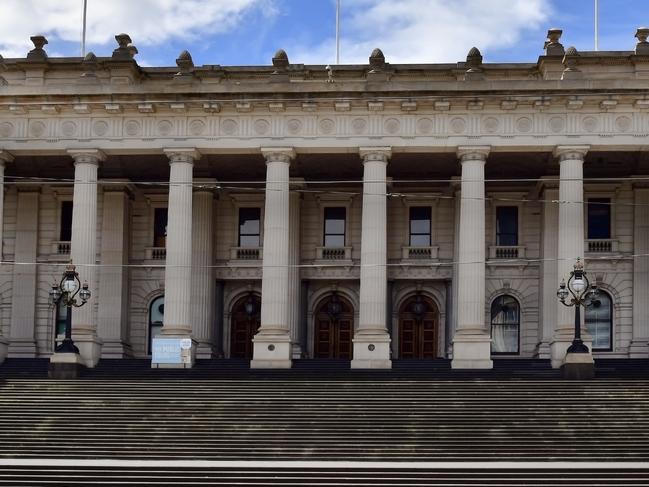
x,y
334,327
418,328
245,324
156,318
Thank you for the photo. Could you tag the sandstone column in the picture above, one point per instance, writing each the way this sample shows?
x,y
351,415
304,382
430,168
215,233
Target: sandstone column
x,y
83,250
272,344
371,338
640,339
5,158
294,287
549,277
571,239
178,264
112,295
472,341
202,291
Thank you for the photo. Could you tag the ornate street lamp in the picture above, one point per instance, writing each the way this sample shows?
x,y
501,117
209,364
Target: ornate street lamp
x,y
66,292
578,292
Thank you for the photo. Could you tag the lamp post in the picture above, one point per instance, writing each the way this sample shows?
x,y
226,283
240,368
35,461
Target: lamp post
x,y
64,362
578,292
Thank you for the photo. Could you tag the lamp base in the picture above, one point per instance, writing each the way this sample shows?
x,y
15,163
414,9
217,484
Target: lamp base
x,y
578,366
64,366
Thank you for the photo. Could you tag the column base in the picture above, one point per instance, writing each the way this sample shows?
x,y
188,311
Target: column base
x,y
371,351
271,351
296,351
639,348
22,348
578,366
471,351
4,349
180,358
559,348
115,349
204,350
64,366
543,351
89,349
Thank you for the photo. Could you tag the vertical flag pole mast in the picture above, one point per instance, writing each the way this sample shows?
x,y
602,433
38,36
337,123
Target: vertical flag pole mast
x,y
83,30
337,31
597,25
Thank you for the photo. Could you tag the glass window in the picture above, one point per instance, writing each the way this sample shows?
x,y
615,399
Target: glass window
x,y
65,234
249,226
334,226
507,226
599,218
505,325
156,318
160,227
599,322
420,226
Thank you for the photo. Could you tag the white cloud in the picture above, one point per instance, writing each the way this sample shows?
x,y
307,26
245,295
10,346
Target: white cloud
x,y
148,22
425,31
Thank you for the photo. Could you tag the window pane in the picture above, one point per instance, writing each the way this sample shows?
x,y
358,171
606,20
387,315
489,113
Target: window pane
x,y
420,240
507,225
505,325
160,227
249,241
66,221
334,226
420,217
599,218
249,226
504,339
599,322
334,241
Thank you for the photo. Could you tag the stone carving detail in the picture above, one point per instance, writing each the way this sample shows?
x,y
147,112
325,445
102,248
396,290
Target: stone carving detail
x,y
392,126
229,127
165,127
524,125
196,127
261,127
37,128
458,125
6,129
68,128
590,124
490,124
359,126
425,126
294,126
557,124
327,126
132,128
623,123
100,128
552,46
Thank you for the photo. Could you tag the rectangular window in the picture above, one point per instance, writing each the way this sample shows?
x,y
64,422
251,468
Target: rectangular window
x,y
599,218
334,226
160,227
420,217
65,234
249,227
507,226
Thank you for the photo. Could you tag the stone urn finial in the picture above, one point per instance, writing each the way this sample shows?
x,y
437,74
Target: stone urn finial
x,y
552,45
474,65
126,50
377,60
570,61
89,64
38,53
642,47
280,63
185,62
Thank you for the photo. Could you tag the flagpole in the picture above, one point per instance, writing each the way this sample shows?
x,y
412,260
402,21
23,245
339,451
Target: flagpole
x,y
597,25
337,31
83,30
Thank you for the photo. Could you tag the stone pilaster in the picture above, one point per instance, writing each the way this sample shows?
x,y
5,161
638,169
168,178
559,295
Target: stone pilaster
x,y
549,276
570,239
23,301
472,341
640,338
371,338
178,264
294,288
5,157
203,298
83,250
272,344
113,275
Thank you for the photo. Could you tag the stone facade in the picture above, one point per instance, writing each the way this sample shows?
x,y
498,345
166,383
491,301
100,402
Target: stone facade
x,y
212,144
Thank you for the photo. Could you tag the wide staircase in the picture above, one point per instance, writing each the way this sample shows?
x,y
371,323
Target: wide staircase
x,y
322,424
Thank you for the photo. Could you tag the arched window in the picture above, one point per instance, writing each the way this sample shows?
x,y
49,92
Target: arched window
x,y
599,322
156,318
505,325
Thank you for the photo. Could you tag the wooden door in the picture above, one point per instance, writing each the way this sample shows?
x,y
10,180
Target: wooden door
x,y
333,334
418,331
243,329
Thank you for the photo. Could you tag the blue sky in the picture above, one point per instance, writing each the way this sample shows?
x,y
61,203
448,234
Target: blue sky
x,y
248,32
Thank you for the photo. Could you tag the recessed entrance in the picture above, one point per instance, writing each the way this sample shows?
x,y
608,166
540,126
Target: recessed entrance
x,y
245,324
418,328
334,327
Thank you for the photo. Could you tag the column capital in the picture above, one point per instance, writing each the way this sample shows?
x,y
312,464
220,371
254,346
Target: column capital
x,y
575,152
473,153
5,157
278,154
87,156
182,154
375,154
